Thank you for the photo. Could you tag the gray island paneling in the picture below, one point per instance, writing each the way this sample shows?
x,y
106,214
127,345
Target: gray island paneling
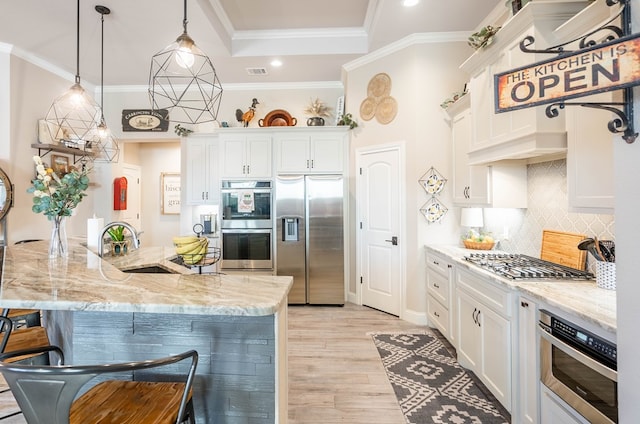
x,y
98,313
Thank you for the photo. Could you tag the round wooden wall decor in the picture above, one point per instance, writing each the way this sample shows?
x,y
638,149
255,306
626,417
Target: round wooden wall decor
x,y
379,102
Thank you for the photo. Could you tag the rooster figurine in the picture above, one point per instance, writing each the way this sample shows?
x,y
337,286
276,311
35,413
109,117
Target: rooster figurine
x,y
247,116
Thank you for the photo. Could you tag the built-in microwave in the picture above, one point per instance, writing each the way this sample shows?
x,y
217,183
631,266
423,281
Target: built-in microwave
x,y
246,204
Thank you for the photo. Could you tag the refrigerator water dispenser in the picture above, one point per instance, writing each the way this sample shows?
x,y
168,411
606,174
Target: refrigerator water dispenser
x,y
290,229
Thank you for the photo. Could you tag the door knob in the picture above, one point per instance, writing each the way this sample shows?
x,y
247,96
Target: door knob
x,y
394,240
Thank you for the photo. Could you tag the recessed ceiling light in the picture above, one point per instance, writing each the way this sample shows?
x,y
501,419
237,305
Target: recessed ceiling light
x,y
276,63
409,3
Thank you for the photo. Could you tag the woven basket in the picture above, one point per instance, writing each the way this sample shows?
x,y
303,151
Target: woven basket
x,y
606,275
478,245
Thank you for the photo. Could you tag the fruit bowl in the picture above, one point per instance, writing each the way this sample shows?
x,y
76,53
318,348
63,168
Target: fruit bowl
x,y
478,245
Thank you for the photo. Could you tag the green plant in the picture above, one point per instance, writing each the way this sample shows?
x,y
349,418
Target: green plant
x,y
347,119
56,196
182,131
318,108
116,233
483,38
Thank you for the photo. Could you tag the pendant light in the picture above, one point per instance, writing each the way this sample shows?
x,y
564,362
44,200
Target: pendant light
x,y
73,117
183,80
107,149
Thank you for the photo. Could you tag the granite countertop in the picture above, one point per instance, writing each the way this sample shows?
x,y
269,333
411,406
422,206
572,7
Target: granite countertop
x,y
86,282
583,299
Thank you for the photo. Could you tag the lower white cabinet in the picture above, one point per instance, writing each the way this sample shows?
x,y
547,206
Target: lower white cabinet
x,y
440,286
528,376
485,341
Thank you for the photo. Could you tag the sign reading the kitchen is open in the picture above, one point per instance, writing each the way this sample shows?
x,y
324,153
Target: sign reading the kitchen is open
x,y
605,67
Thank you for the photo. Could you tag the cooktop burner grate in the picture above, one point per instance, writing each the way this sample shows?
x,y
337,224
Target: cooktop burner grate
x,y
518,267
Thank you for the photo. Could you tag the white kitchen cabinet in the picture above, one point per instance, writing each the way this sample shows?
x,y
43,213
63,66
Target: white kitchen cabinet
x,y
440,295
527,132
500,185
485,332
528,362
202,181
313,151
590,173
245,155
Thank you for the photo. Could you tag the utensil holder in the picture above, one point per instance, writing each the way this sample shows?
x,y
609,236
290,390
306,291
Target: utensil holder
x,y
606,275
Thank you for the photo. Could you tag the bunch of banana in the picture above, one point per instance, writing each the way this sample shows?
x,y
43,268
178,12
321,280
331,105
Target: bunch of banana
x,y
192,249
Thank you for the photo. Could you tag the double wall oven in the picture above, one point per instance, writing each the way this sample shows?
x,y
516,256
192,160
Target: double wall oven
x,y
247,225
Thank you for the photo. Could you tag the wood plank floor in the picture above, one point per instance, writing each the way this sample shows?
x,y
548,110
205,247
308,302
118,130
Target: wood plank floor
x,y
335,372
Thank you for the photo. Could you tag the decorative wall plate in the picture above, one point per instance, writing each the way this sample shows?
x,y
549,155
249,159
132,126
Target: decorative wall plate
x,y
379,86
278,118
386,110
433,210
432,181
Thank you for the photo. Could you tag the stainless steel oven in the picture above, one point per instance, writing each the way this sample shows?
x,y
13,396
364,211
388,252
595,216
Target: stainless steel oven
x,y
249,249
580,367
246,204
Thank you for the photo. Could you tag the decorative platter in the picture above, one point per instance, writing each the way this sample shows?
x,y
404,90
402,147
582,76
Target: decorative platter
x,y
432,182
433,210
278,118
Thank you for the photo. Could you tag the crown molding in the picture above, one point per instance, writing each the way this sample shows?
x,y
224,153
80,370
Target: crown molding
x,y
411,40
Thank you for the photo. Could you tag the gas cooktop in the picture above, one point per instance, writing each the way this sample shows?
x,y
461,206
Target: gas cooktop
x,y
519,267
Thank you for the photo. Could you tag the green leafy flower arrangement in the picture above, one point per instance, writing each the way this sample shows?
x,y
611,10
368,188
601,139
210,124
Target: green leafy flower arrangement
x,y
56,196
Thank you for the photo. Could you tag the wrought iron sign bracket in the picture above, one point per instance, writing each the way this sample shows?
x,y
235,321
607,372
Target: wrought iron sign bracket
x,y
623,123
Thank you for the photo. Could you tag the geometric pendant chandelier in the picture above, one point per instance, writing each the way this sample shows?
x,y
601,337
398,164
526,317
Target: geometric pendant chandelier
x,y
107,149
73,117
182,80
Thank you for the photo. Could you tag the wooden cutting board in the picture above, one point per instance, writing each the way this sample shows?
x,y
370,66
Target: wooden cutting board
x,y
562,248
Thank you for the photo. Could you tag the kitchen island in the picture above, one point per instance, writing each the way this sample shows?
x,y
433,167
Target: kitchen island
x,y
98,312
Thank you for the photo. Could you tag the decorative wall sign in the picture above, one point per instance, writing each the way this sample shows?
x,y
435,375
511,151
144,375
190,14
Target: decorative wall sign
x,y
607,67
170,188
145,120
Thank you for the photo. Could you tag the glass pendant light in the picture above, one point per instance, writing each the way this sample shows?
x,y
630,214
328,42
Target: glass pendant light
x,y
183,80
107,149
73,117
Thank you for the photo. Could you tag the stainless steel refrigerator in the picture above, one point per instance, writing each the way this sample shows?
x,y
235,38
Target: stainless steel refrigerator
x,y
309,237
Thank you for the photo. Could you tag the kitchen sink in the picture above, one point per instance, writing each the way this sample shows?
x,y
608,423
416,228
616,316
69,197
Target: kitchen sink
x,y
149,270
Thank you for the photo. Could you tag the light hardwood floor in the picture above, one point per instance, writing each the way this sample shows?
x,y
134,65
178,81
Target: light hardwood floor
x,y
335,372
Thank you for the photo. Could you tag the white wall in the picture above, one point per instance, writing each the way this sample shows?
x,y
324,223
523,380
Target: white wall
x,y
422,76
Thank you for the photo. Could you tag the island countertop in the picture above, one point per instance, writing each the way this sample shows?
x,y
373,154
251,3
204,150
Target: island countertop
x,y
86,282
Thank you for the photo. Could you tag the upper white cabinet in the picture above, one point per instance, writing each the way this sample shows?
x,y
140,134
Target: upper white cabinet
x,y
319,150
590,183
502,185
202,180
523,133
245,155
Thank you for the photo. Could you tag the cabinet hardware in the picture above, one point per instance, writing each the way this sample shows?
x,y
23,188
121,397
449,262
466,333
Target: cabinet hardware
x,y
473,315
436,263
312,163
478,319
436,286
307,163
248,169
524,304
449,266
436,314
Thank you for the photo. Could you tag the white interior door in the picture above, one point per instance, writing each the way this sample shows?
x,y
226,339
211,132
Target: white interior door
x,y
379,201
134,202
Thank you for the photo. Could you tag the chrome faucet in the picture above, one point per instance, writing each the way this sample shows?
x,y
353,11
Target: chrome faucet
x,y
134,235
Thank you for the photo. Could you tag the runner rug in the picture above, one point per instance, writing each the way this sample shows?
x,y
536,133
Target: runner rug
x,y
430,385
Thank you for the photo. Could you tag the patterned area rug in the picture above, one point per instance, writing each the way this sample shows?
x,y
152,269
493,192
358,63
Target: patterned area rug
x,y
430,385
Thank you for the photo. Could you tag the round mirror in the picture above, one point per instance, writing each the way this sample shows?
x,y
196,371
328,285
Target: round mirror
x,y
6,194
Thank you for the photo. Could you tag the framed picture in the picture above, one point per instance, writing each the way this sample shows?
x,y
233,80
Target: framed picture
x,y
170,189
60,165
